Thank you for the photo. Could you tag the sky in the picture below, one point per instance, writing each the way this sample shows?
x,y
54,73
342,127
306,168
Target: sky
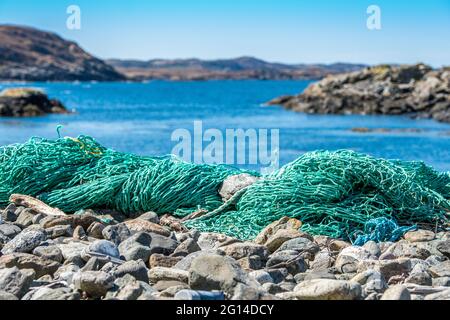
x,y
290,31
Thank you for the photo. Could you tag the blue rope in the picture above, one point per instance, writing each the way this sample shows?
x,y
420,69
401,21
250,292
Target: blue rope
x,y
382,229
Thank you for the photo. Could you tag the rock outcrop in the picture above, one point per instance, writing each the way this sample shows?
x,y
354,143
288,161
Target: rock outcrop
x,y
24,102
415,90
33,55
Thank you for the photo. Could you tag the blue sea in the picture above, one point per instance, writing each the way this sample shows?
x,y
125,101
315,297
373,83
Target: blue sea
x,y
140,118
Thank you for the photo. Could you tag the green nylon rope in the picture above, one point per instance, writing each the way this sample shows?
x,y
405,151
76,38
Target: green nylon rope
x,y
332,193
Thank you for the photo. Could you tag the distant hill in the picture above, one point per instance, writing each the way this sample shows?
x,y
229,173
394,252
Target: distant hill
x,y
33,55
239,68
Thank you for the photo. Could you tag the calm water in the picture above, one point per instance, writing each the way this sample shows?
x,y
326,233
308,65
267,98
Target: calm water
x,y
140,117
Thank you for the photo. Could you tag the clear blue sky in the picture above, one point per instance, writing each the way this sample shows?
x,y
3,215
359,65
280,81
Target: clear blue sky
x,y
292,31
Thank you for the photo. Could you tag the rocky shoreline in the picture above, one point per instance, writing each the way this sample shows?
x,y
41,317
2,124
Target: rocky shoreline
x,y
414,90
26,102
48,255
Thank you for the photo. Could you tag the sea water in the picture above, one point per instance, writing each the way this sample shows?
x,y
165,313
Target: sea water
x,y
140,118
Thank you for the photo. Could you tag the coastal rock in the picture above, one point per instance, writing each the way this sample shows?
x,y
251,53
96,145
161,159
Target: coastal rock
x,y
300,245
416,90
25,217
15,281
280,237
348,259
9,230
405,249
6,296
327,289
444,248
94,283
47,293
79,233
72,250
95,230
162,244
116,233
104,247
135,268
185,263
440,270
233,184
419,236
283,223
59,231
24,242
49,252
168,274
441,282
139,225
245,249
322,260
251,263
10,213
40,265
397,292
149,216
210,240
186,247
289,259
136,247
261,276
160,260
26,102
214,272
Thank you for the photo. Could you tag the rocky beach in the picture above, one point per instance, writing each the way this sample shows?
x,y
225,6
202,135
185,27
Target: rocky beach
x,y
414,90
48,255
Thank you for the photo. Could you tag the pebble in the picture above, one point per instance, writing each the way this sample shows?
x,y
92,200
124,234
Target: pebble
x,y
94,283
40,265
397,292
24,242
104,247
261,276
49,252
135,268
245,249
15,281
160,260
215,272
327,289
161,273
419,236
79,257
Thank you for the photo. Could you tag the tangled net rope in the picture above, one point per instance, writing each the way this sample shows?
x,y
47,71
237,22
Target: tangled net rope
x,y
333,193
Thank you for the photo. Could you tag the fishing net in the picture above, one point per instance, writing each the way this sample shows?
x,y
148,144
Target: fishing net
x,y
332,193
336,194
74,174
